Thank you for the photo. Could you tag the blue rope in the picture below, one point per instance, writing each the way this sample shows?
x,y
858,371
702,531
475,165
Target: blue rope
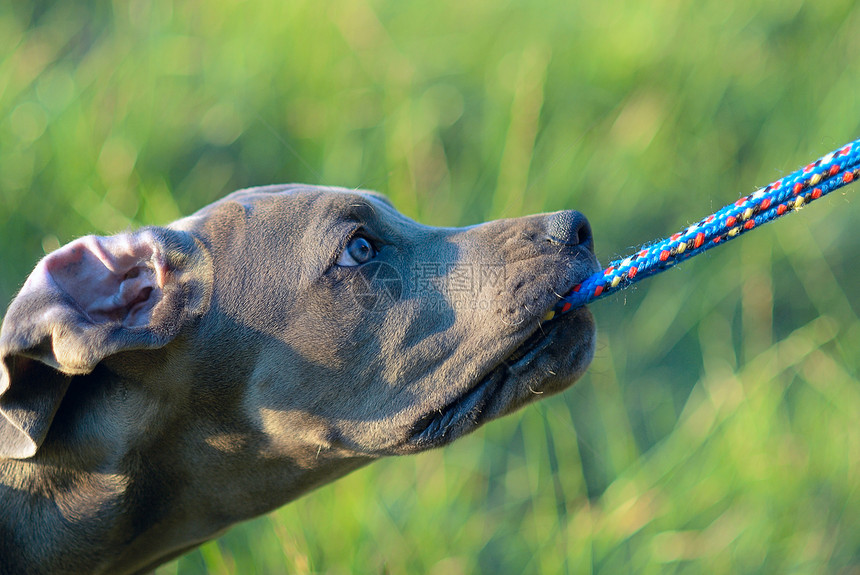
x,y
784,196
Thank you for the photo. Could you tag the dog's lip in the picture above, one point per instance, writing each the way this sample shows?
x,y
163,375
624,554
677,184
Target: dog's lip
x,y
468,410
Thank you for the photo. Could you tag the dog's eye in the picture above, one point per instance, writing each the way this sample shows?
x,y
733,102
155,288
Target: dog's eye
x,y
358,251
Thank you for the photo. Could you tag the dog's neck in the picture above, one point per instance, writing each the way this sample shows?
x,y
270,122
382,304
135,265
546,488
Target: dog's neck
x,y
137,505
49,511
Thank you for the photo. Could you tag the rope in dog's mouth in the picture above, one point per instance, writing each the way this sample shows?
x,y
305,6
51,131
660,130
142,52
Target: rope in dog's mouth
x,y
782,197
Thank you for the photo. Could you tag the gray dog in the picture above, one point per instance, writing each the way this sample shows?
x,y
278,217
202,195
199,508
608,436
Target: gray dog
x,y
159,386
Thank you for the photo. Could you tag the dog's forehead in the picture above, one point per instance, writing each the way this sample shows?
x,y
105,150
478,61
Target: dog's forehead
x,y
317,209
305,198
302,206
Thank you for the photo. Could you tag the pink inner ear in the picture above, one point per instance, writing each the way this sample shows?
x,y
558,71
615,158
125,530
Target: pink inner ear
x,y
111,278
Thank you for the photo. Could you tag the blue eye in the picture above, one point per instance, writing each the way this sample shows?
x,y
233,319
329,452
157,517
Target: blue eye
x,y
358,251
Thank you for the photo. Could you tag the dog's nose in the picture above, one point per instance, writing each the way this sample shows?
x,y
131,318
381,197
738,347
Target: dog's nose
x,y
570,228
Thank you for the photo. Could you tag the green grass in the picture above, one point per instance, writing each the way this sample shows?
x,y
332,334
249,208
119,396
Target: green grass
x,y
716,431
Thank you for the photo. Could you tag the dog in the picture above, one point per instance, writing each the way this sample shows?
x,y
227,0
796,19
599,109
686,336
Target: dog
x,y
159,386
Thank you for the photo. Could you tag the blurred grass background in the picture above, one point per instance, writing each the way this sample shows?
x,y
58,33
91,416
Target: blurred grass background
x,y
717,429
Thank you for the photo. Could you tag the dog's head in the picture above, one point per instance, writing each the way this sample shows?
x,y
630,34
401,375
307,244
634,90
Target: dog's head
x,y
295,321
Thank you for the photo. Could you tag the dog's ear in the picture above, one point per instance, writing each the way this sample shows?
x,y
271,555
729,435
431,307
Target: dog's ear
x,y
84,302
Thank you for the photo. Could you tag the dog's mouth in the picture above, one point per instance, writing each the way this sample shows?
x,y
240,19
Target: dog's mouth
x,y
484,400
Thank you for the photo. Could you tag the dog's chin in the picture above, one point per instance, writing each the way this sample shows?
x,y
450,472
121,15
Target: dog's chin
x,y
546,361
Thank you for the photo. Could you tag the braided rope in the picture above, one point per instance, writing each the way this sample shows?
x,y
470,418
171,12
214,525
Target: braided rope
x,y
783,196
